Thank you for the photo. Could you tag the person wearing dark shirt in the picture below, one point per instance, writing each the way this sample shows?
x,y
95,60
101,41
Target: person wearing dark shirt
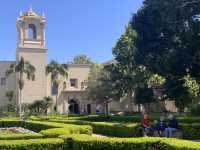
x,y
172,126
161,126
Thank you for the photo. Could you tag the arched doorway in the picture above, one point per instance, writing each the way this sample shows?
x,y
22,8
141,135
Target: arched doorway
x,y
89,108
73,107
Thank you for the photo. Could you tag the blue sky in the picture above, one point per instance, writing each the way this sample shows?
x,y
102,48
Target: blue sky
x,y
74,27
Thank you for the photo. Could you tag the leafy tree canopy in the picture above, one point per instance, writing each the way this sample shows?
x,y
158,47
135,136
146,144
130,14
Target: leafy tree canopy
x,y
82,59
168,36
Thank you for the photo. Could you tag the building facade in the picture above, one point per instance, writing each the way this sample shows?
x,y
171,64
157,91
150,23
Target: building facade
x,y
31,46
70,93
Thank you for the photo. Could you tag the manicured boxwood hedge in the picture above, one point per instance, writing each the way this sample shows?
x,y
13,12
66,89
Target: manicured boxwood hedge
x,y
190,131
46,129
33,144
85,142
21,136
106,128
70,129
67,141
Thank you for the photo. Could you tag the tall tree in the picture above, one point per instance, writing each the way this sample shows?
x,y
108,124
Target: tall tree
x,y
145,96
81,59
168,37
22,68
126,73
56,70
100,87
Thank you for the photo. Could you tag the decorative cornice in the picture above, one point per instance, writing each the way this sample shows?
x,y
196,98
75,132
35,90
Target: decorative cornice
x,y
79,65
31,50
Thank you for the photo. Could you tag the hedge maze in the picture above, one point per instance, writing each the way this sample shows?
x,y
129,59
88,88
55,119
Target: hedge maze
x,y
67,134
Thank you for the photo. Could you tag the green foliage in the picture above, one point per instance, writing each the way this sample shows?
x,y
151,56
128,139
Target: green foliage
x,y
33,144
144,95
81,59
192,86
20,136
195,110
170,49
40,107
156,79
126,74
127,126
86,142
68,129
174,89
79,142
191,131
22,67
100,87
56,71
10,95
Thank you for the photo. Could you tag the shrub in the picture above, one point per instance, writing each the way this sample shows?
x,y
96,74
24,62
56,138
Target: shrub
x,y
68,129
36,144
191,131
80,142
49,129
195,110
55,132
38,126
20,136
109,129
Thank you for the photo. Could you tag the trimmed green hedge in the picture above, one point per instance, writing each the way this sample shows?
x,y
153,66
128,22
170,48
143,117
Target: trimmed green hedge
x,y
33,144
68,129
106,128
85,142
48,129
20,136
123,119
190,131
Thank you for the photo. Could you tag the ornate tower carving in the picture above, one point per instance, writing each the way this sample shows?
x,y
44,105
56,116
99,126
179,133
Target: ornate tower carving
x,y
31,46
31,30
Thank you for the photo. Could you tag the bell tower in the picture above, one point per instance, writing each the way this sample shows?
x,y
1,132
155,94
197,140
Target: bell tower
x,y
30,30
31,46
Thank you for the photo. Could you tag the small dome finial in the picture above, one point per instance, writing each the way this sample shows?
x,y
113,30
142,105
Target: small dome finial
x,y
30,8
43,15
20,13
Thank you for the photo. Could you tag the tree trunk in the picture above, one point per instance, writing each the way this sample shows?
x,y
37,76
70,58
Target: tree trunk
x,y
162,106
56,109
107,113
20,104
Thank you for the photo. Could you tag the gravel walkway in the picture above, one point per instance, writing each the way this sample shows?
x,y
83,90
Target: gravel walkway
x,y
99,136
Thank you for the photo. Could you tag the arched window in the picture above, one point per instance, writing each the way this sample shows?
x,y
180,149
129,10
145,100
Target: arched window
x,y
32,34
54,89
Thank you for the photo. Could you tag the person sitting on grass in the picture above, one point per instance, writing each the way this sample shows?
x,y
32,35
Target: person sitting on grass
x,y
145,124
161,126
171,127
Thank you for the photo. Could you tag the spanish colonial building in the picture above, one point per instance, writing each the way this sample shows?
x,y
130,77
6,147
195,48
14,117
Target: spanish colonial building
x,y
32,47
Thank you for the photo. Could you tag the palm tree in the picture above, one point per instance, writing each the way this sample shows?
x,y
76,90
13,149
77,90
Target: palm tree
x,y
40,107
22,68
48,102
10,95
56,70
